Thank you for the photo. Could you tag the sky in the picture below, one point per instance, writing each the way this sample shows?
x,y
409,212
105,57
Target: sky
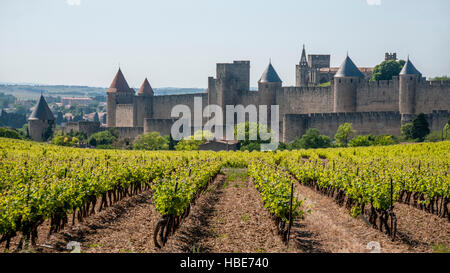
x,y
177,43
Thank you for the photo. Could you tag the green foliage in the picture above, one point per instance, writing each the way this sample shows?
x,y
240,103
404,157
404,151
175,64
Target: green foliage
x,y
12,120
193,142
151,141
252,134
266,178
102,138
325,84
385,140
442,78
188,145
434,136
6,100
407,131
420,127
387,69
343,134
371,140
65,140
174,192
10,133
310,140
360,141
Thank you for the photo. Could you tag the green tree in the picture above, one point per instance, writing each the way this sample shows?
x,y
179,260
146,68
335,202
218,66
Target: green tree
x,y
407,131
387,69
151,141
193,142
343,134
442,78
310,140
253,134
420,127
102,138
10,133
446,133
360,141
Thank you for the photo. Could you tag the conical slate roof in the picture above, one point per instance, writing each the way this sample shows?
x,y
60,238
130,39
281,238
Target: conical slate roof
x,y
145,89
41,111
119,84
409,69
348,69
303,60
270,75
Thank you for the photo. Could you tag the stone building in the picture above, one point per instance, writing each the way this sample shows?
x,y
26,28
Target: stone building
x,y
316,69
41,122
372,107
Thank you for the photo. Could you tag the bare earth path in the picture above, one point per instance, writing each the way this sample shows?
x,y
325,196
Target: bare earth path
x,y
331,228
231,219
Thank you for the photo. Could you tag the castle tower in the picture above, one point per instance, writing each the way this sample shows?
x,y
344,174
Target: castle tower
x,y
346,82
118,93
409,78
41,122
302,71
268,85
144,103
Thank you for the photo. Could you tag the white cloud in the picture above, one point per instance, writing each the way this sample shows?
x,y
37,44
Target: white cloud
x,y
73,2
373,2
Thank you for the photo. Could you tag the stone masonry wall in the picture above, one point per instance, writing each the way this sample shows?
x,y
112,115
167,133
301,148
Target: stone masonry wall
x,y
377,123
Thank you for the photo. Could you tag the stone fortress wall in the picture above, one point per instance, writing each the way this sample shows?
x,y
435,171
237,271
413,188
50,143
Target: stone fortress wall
x,y
373,107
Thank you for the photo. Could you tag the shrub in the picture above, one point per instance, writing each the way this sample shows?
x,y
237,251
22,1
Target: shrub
x,y
385,140
151,141
343,133
359,141
10,133
102,138
434,137
311,139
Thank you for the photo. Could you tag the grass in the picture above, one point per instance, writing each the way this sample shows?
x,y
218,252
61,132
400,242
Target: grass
x,y
235,174
325,84
95,245
245,217
441,248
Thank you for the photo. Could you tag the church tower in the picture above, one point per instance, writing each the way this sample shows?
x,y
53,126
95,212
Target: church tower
x,y
346,82
41,122
409,79
301,75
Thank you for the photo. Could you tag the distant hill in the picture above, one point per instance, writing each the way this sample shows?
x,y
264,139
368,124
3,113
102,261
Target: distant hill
x,y
25,91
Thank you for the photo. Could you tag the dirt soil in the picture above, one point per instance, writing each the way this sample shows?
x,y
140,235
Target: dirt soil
x,y
330,228
229,217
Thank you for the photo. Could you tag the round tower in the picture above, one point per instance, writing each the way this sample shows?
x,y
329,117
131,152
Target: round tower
x,y
267,86
346,82
41,122
409,78
118,93
144,103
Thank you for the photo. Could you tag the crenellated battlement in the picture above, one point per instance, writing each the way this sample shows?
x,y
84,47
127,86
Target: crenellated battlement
x,y
306,89
437,83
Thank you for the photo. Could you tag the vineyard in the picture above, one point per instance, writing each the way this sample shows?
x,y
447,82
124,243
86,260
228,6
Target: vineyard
x,y
323,200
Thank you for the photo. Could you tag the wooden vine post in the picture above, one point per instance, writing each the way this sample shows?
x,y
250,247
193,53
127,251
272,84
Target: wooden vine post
x,y
290,214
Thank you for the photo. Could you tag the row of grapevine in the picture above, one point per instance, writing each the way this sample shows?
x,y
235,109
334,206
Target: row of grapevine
x,y
173,194
45,182
276,189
